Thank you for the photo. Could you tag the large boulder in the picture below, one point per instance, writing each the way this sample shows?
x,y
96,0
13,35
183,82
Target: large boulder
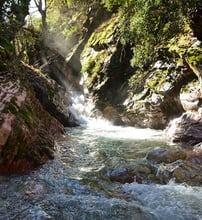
x,y
186,130
27,131
181,172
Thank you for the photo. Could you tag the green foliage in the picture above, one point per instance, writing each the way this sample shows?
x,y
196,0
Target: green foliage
x,y
34,22
194,59
104,33
137,81
110,4
195,56
147,23
12,18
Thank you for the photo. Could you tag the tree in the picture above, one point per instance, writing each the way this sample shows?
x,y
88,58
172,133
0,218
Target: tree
x,y
12,19
42,8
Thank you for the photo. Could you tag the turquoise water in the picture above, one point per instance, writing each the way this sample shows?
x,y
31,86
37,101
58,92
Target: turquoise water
x,y
76,184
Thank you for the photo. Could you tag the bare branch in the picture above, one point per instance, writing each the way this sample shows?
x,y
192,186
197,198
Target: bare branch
x,y
36,3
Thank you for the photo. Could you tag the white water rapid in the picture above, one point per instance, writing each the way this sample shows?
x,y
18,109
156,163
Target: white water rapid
x,y
76,185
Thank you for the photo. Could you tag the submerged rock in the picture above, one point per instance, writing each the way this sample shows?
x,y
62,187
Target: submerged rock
x,y
140,172
122,175
27,132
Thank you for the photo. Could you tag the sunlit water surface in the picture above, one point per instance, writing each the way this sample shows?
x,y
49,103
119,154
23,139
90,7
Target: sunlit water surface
x,y
76,184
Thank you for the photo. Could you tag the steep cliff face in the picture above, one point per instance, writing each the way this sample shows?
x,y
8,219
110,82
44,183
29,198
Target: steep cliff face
x,y
27,131
149,96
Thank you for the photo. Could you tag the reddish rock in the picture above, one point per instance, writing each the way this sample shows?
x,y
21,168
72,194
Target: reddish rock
x,y
27,131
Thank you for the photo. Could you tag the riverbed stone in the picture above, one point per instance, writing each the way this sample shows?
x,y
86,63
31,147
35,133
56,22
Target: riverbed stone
x,y
181,172
122,175
188,173
166,155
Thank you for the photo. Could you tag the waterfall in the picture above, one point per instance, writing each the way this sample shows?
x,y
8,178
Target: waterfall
x,y
77,111
82,109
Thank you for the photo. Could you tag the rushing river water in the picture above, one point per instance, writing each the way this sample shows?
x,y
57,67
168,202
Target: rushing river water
x,y
76,184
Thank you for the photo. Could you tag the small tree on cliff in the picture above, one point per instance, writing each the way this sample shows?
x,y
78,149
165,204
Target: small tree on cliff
x,y
42,8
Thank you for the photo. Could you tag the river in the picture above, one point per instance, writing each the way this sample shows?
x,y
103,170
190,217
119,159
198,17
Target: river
x,y
76,185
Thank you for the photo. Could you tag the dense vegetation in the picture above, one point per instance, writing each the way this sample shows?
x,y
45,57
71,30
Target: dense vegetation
x,y
144,24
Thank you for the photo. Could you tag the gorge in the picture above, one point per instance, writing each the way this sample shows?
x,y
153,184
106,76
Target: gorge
x,y
100,113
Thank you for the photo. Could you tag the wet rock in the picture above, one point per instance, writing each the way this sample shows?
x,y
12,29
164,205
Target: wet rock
x,y
186,130
195,155
181,172
169,155
122,175
112,115
36,213
33,188
188,173
137,173
27,132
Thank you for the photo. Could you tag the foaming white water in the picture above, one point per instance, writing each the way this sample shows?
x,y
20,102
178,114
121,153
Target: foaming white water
x,y
172,201
82,110
106,129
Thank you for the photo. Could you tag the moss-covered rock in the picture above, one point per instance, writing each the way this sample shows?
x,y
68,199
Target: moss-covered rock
x,y
27,132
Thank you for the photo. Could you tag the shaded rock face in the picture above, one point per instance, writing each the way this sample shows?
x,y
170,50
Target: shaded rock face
x,y
111,114
118,70
196,22
27,132
54,98
110,87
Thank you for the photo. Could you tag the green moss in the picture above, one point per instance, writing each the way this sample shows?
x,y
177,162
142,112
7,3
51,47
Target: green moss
x,y
188,87
194,59
103,35
158,79
179,44
98,50
94,64
24,113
